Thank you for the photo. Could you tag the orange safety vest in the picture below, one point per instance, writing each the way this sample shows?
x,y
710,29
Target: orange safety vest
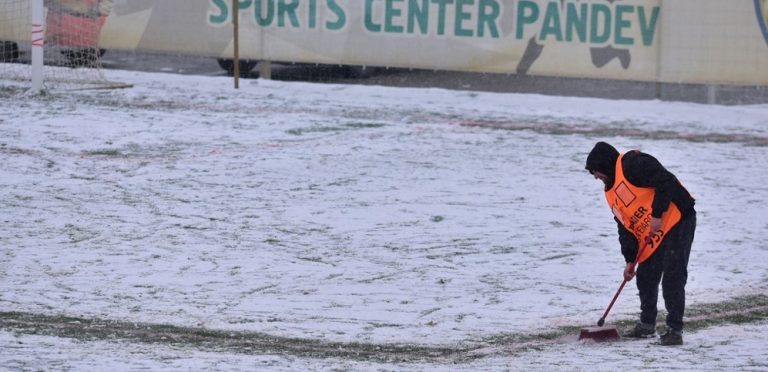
x,y
632,207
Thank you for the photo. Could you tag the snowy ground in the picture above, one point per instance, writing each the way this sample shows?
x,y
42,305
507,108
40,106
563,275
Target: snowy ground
x,y
358,214
729,348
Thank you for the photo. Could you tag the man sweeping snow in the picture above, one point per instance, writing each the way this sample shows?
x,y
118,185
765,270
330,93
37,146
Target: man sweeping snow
x,y
654,212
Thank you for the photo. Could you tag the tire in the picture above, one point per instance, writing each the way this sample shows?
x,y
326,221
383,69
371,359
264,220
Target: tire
x,y
9,51
246,65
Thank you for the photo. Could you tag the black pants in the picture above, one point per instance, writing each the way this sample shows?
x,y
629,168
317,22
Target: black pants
x,y
668,265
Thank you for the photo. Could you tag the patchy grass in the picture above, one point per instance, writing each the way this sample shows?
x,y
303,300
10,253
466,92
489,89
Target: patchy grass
x,y
326,129
104,152
213,340
738,310
748,309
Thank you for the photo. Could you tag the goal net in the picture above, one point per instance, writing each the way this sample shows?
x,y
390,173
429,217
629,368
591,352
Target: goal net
x,y
52,44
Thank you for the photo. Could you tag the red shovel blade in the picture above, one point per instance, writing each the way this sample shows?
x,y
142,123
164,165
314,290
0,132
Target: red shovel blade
x,y
600,334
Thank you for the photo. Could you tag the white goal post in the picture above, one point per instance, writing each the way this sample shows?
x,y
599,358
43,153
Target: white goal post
x,y
37,43
52,45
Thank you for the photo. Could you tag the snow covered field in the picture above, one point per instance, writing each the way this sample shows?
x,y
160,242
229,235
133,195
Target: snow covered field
x,y
358,214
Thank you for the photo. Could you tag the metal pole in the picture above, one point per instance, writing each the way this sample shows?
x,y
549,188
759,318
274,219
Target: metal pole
x,y
236,30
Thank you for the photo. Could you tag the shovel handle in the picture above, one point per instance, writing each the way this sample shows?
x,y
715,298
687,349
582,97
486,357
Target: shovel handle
x,y
634,264
602,320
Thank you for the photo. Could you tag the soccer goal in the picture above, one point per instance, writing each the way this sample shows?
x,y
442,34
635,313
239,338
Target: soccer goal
x,y
52,45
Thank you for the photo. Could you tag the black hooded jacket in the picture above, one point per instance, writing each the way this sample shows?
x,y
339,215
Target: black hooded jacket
x,y
641,170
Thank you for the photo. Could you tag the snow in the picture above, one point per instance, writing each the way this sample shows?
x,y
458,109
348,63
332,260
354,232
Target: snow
x,y
727,348
358,214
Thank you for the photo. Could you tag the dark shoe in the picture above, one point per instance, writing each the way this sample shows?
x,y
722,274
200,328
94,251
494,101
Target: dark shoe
x,y
671,337
642,330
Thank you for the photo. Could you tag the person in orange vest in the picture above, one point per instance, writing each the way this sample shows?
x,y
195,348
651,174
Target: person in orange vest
x,y
656,222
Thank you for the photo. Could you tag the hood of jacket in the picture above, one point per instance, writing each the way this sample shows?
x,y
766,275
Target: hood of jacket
x,y
602,159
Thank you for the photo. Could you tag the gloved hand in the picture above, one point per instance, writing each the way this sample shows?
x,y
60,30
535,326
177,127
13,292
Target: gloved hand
x,y
655,226
629,271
